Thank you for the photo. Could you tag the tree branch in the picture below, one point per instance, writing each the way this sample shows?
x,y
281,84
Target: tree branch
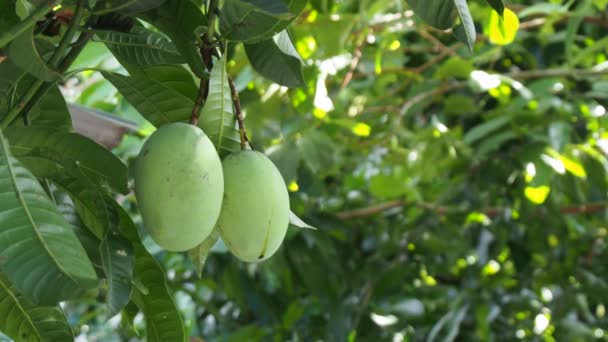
x,y
491,212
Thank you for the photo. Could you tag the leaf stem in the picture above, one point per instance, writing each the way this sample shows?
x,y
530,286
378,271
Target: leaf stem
x,y
7,36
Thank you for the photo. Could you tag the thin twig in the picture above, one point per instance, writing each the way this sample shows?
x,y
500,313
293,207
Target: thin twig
x,y
239,115
354,62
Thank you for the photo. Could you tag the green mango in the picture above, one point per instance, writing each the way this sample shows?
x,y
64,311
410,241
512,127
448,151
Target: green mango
x,y
179,186
255,211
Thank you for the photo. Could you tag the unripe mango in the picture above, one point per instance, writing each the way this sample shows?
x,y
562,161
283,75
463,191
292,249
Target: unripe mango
x,y
255,210
179,186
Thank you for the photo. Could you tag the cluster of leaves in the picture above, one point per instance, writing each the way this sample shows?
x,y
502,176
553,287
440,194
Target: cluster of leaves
x,y
458,179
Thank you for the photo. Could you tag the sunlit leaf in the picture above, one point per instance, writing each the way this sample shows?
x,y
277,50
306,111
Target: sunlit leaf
x,y
198,255
501,30
295,221
277,60
218,118
537,194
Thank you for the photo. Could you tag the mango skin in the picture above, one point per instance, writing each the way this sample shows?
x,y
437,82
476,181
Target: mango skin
x,y
255,210
179,186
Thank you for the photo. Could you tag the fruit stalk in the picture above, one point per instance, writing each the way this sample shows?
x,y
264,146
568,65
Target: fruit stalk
x,y
239,115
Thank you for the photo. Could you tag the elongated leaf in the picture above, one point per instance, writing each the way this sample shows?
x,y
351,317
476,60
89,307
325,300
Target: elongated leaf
x,y
275,8
39,252
88,201
141,47
240,21
152,296
437,13
21,320
179,19
117,258
468,35
217,117
296,222
486,128
87,239
198,255
22,51
47,152
277,60
155,101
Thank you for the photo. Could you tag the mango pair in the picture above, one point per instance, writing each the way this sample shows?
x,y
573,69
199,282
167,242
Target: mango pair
x,y
184,190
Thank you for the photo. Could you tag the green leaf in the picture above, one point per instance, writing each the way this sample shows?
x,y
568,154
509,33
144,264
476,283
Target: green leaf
x,y
198,255
117,258
494,141
13,83
87,239
21,320
8,18
217,118
437,13
459,104
51,111
486,128
163,319
275,8
390,185
317,150
455,67
497,5
128,7
240,21
88,201
179,19
277,60
175,77
140,47
39,252
48,152
296,222
155,101
467,31
286,157
23,53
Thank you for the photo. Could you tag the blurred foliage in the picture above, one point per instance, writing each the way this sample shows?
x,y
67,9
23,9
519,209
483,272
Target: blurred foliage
x,y
458,196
